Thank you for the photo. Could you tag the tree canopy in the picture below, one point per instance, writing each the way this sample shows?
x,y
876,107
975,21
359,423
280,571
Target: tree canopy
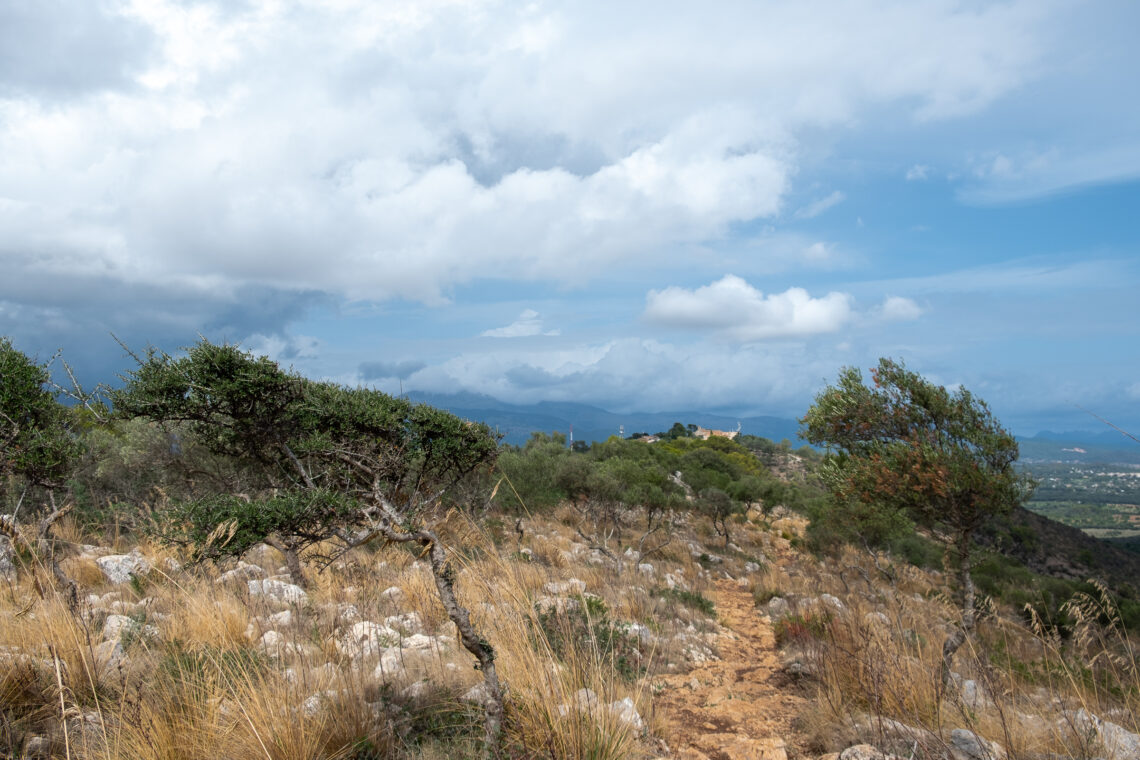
x,y
319,452
35,438
905,443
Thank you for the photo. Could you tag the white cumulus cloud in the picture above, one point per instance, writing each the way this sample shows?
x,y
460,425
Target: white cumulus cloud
x,y
735,310
740,312
899,309
373,151
527,325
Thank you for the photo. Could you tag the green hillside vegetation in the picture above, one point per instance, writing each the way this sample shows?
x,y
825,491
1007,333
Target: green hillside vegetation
x,y
207,467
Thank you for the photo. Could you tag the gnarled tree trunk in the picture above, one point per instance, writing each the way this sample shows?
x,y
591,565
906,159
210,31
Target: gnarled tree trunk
x,y
474,643
969,613
292,560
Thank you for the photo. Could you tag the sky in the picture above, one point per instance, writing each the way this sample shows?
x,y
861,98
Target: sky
x,y
642,206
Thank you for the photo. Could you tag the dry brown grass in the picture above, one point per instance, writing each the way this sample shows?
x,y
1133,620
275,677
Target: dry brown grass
x,y
543,708
881,657
204,689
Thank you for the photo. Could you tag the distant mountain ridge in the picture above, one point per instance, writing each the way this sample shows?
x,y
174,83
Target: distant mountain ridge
x,y
1108,447
516,422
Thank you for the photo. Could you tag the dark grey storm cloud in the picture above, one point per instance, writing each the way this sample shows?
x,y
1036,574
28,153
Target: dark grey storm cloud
x,y
63,48
529,377
400,370
82,317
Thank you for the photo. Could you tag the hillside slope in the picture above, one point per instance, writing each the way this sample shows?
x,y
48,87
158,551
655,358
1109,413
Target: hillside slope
x,y
1052,548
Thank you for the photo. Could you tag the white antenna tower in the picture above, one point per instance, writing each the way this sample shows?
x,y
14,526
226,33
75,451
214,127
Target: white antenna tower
x,y
621,431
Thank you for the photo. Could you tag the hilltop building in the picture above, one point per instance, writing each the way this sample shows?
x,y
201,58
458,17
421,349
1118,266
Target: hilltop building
x,y
705,433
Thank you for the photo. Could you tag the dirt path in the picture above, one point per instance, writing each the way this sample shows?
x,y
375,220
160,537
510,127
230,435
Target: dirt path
x,y
731,709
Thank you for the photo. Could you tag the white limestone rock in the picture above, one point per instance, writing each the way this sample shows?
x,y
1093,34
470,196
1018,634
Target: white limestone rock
x,y
367,639
832,602
416,692
347,614
1119,743
640,632
116,626
277,591
118,568
626,711
571,586
407,623
477,694
282,619
243,573
778,607
559,604
110,657
7,559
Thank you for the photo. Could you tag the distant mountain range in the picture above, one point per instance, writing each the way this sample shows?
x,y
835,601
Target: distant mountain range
x,y
1109,447
516,422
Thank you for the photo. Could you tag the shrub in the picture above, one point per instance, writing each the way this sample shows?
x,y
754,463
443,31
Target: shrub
x,y
799,628
586,630
692,599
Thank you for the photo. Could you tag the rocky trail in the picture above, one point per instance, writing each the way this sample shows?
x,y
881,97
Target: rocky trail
x,y
734,708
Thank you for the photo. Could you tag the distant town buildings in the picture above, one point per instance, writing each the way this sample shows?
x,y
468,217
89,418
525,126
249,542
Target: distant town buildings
x,y
704,433
679,431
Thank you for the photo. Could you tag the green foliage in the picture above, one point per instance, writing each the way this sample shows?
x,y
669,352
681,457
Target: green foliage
x,y
236,404
537,474
691,599
718,478
312,450
834,523
905,448
36,440
917,550
223,525
586,631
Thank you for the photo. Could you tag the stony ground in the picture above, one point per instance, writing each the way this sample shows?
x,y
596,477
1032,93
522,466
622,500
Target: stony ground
x,y
733,708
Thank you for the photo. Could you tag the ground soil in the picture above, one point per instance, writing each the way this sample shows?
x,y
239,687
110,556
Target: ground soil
x,y
738,707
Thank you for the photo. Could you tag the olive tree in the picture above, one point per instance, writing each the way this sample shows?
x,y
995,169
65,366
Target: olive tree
x,y
36,442
907,446
38,447
333,463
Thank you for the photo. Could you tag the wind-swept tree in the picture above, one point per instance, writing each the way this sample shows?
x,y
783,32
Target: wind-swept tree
x,y
333,463
36,442
38,450
906,445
